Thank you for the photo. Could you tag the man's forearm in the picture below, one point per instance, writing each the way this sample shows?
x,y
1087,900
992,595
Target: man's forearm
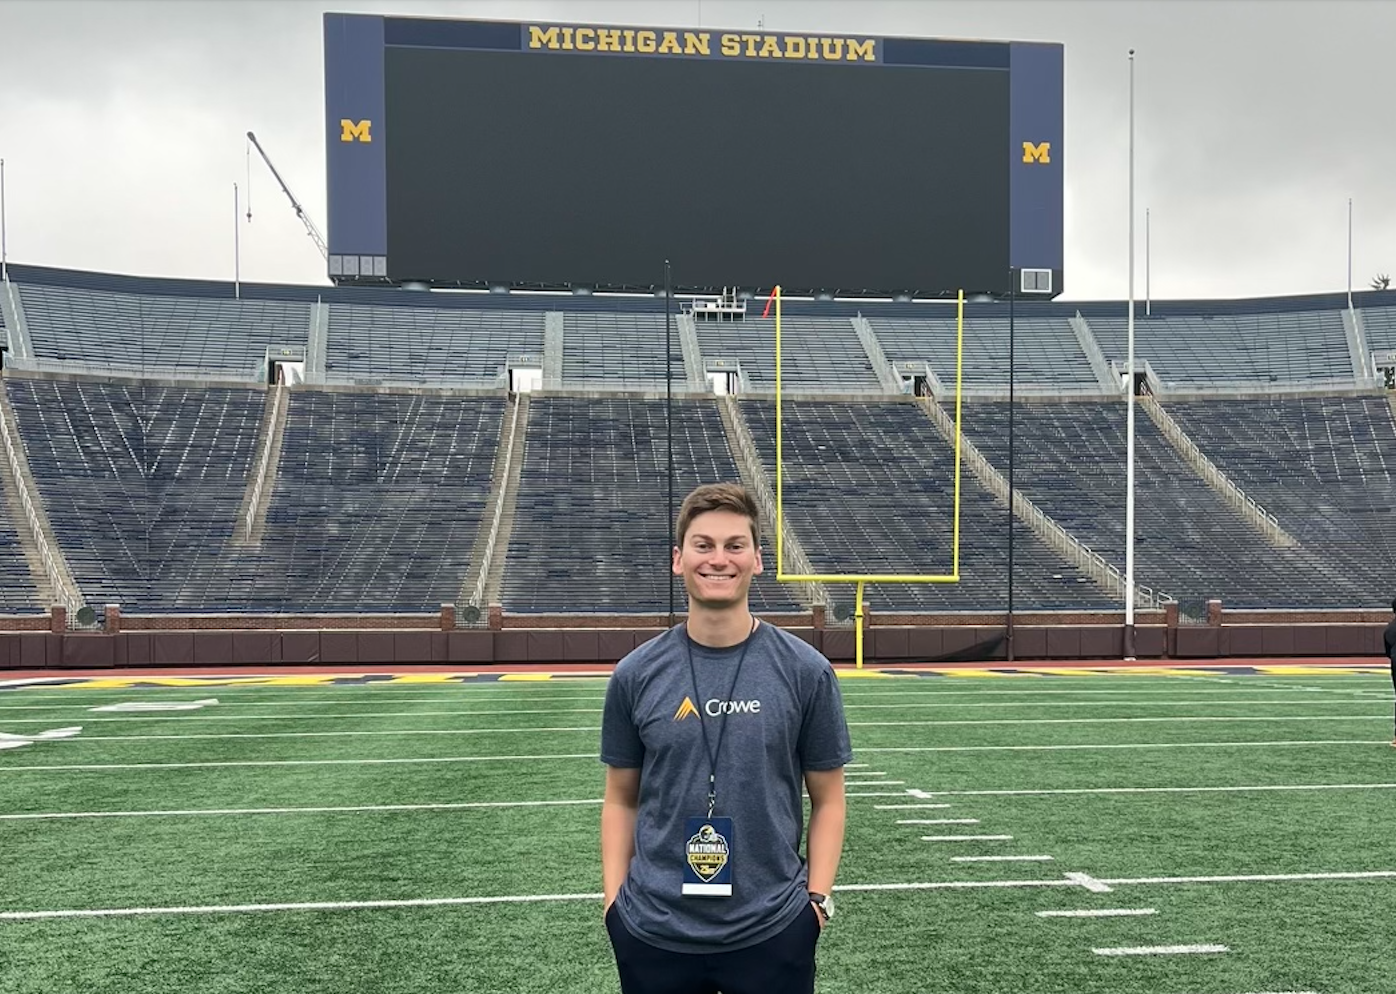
x,y
826,827
617,847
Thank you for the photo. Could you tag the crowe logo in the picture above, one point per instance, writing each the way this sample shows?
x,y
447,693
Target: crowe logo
x,y
715,708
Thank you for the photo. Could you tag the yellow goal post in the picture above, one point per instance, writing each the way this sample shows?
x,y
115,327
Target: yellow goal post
x,y
861,579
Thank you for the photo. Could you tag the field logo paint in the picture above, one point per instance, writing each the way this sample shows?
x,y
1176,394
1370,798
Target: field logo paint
x,y
8,741
158,706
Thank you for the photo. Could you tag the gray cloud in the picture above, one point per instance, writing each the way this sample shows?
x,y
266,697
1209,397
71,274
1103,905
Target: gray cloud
x,y
122,128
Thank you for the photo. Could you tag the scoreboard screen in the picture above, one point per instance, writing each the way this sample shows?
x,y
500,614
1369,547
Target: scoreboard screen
x,y
563,156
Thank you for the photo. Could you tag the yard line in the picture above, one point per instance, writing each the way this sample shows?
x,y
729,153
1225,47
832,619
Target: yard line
x,y
1099,721
319,717
966,838
1099,913
1054,747
938,821
1156,790
294,762
908,807
874,793
1159,950
1090,883
341,809
864,773
538,898
1225,702
1000,859
349,733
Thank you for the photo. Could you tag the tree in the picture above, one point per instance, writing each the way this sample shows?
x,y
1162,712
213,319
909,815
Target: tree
x,y
1382,282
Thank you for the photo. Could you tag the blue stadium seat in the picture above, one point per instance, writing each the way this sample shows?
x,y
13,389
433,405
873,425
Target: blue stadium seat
x,y
424,344
817,353
869,488
591,527
1046,351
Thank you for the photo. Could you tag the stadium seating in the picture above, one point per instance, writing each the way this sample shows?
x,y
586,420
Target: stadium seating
x,y
817,353
618,351
424,344
1045,349
1324,466
101,327
142,484
591,526
1069,459
869,489
17,592
1380,325
1254,347
378,500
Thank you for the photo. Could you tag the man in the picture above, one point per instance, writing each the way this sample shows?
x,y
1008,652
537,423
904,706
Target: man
x,y
1390,637
707,733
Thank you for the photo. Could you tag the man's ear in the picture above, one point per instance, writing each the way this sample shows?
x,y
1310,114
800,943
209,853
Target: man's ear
x,y
677,565
760,566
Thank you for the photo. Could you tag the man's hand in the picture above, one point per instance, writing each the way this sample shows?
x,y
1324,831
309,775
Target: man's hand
x,y
820,915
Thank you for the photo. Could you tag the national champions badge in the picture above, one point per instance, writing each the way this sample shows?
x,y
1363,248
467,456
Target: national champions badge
x,y
708,857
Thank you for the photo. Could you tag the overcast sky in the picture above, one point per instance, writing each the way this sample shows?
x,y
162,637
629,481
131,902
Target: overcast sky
x,y
122,126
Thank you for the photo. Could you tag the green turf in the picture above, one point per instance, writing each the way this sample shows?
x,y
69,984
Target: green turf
x,y
954,738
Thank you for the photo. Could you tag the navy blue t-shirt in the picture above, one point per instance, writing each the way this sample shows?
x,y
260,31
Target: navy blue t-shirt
x,y
784,717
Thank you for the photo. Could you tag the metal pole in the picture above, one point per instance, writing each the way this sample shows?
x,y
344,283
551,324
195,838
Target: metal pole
x,y
1012,386
4,241
237,248
669,408
1129,401
1349,253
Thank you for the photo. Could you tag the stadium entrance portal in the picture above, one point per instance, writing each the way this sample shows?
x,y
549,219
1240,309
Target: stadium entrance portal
x,y
286,365
1385,365
724,377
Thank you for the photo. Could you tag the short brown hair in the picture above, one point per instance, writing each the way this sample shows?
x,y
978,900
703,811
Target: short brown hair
x,y
718,497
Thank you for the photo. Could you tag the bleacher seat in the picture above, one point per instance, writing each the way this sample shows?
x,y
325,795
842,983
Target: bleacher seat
x,y
100,327
378,501
1379,321
1308,346
1046,352
619,351
591,526
820,354
869,488
425,344
1324,466
142,484
18,594
1069,459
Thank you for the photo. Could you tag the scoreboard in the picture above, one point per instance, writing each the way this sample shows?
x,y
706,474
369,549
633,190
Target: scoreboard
x,y
541,155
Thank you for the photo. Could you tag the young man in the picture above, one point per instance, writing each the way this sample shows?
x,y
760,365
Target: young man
x,y
1390,637
708,732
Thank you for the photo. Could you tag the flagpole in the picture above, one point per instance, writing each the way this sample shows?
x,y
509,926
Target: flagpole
x,y
237,248
1129,401
4,241
1349,253
1148,293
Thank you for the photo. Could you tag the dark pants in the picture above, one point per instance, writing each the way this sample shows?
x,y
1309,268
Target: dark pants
x,y
783,964
1393,688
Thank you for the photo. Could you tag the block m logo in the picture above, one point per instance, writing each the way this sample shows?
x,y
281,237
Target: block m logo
x,y
1040,152
354,130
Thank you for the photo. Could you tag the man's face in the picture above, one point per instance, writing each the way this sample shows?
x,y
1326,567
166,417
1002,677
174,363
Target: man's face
x,y
718,559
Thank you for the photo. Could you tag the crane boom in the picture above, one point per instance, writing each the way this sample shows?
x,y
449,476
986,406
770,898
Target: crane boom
x,y
310,228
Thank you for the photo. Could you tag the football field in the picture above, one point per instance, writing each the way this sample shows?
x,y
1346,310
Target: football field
x,y
1205,831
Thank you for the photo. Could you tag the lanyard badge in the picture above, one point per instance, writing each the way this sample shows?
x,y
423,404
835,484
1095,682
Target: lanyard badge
x,y
708,841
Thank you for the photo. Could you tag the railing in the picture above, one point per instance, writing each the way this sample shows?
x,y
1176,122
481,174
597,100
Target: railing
x,y
1094,355
255,502
1054,535
477,596
143,371
64,594
886,372
1248,507
746,446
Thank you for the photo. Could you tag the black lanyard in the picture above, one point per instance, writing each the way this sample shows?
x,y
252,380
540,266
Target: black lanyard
x,y
713,756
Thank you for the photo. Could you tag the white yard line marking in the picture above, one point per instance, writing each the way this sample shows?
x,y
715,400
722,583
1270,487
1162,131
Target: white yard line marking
x,y
966,838
1043,792
908,807
341,809
873,793
295,762
1090,883
1087,747
863,773
333,735
1159,950
938,821
1235,701
522,899
1097,721
1099,913
1000,859
200,718
855,766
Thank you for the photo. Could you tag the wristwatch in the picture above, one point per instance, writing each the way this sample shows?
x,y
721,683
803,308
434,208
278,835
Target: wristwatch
x,y
824,903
